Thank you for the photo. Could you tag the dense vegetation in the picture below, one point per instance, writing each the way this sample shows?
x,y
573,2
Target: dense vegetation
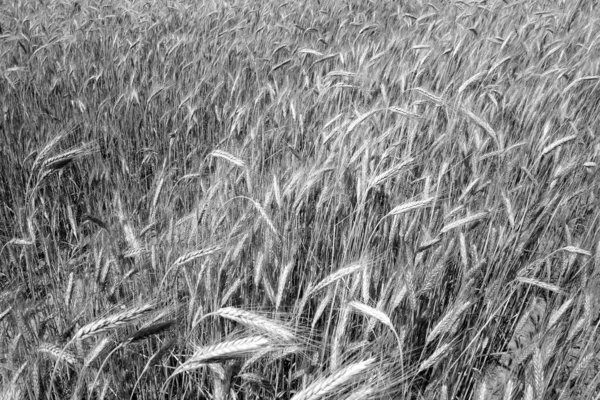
x,y
299,200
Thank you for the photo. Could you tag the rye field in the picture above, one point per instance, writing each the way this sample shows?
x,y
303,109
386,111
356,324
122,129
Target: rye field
x,y
299,200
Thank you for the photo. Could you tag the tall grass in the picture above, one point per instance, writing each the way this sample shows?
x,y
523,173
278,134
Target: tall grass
x,y
302,199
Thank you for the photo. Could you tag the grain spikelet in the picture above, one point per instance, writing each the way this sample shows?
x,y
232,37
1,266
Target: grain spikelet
x,y
362,393
232,289
557,143
17,375
58,353
5,313
223,351
35,380
447,321
437,355
581,322
274,355
432,277
11,391
228,157
509,209
389,173
334,383
582,365
538,373
469,189
471,80
359,120
464,221
482,124
578,80
540,284
45,151
277,192
193,255
508,390
321,307
148,331
397,297
266,281
258,267
184,259
558,313
410,206
575,250
337,275
99,349
340,332
20,242
156,357
395,225
404,113
482,391
112,322
528,393
69,290
380,316
282,282
430,96
61,160
254,321
265,216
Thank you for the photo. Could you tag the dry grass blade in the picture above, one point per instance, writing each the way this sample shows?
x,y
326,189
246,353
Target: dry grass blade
x,y
335,383
112,322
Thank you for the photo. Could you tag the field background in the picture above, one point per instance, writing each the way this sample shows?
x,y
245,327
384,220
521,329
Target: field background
x,y
301,199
